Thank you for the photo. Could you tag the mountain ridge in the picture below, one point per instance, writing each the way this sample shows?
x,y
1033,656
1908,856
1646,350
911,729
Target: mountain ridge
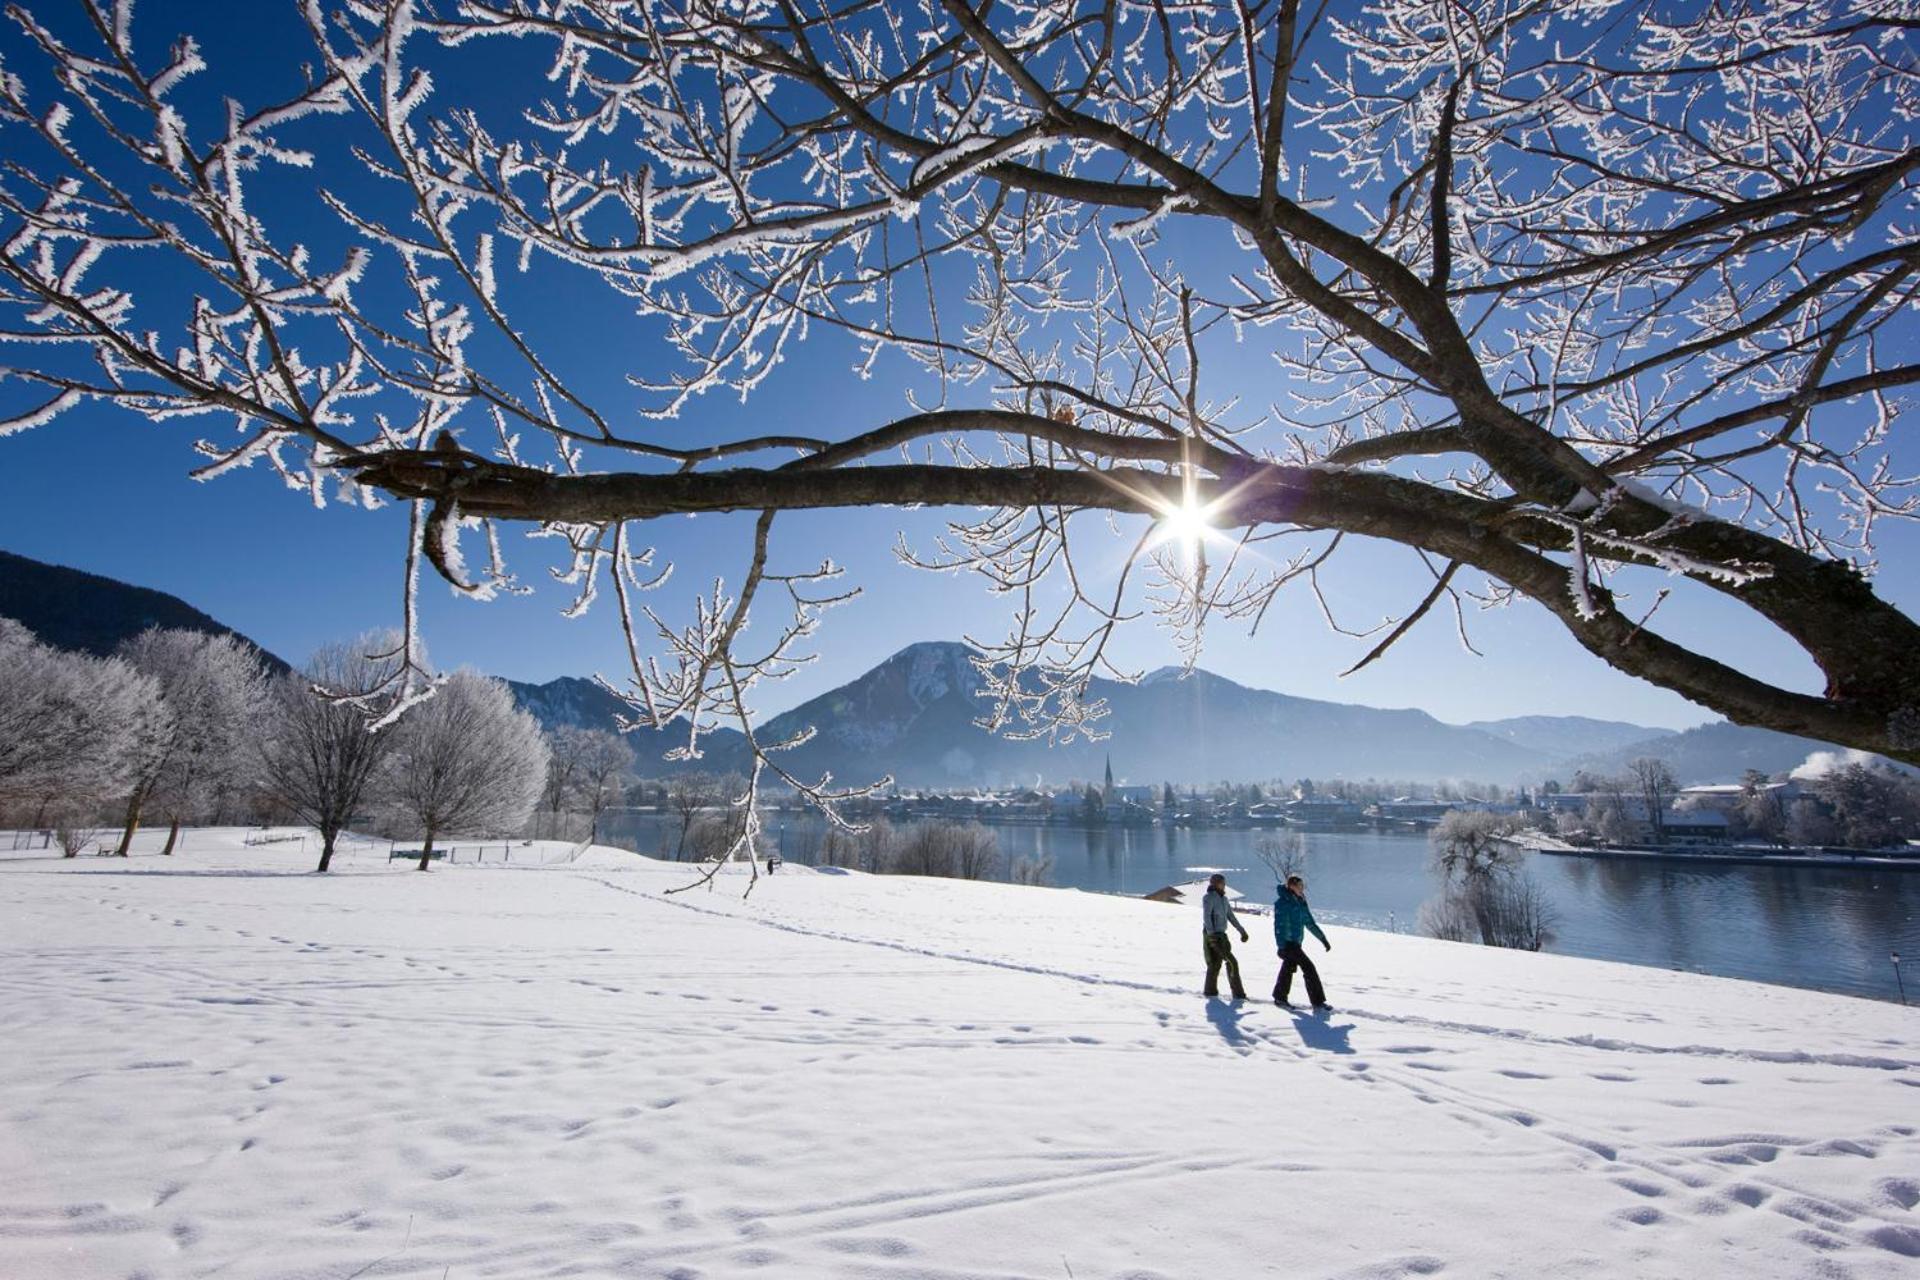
x,y
912,716
91,613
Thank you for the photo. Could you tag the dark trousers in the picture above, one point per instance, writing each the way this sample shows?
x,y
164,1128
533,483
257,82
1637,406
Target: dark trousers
x,y
1293,957
1220,951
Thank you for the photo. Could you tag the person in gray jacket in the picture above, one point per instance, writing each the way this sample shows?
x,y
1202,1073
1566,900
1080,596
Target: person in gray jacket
x,y
1216,913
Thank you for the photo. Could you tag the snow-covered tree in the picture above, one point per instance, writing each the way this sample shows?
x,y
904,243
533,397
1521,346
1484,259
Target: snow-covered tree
x,y
318,755
214,690
1579,304
604,762
585,767
564,747
71,726
1872,805
466,760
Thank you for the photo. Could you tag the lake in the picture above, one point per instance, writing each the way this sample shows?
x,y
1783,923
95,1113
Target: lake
x,y
1830,929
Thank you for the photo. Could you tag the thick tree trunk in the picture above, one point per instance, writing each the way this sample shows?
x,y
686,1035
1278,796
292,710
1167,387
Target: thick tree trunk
x,y
133,824
327,835
173,838
426,851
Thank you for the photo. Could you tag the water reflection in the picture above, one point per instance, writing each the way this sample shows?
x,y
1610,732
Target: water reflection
x,y
1826,928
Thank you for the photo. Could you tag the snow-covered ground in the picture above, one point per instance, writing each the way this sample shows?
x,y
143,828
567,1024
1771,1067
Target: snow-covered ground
x,y
218,1064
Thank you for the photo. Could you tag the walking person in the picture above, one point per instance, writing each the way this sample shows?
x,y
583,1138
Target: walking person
x,y
1292,918
1216,913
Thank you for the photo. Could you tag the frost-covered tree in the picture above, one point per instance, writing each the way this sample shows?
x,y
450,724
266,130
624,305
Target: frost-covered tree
x,y
564,747
687,795
1578,304
585,767
1486,894
1655,784
466,760
214,691
1873,806
71,726
604,762
318,754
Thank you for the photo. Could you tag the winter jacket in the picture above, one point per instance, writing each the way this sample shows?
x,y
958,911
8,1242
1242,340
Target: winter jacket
x,y
1216,913
1292,918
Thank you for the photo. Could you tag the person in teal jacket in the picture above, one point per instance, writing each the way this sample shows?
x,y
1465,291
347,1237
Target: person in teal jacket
x,y
1292,919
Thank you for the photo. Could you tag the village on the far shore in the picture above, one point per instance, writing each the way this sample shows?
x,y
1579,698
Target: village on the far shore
x,y
1831,808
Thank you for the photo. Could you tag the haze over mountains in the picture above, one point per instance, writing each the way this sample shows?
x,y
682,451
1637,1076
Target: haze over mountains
x,y
912,716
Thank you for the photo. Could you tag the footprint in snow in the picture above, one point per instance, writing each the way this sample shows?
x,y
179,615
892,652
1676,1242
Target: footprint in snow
x,y
1904,1241
1640,1188
1904,1192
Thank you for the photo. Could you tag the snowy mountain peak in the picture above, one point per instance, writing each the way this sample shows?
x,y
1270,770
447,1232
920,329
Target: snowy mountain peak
x,y
935,668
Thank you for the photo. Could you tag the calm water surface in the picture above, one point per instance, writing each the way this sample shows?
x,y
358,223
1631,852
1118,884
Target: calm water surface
x,y
1829,929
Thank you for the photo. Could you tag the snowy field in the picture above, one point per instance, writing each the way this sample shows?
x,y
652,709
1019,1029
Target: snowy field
x,y
218,1064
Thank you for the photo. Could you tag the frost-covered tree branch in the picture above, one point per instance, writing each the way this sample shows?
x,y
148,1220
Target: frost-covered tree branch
x,y
1558,296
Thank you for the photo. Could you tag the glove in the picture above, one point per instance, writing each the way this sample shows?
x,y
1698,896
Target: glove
x,y
1243,935
1326,944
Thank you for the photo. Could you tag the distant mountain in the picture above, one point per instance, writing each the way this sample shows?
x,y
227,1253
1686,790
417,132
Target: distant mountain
x,y
70,609
1718,752
912,716
1566,736
586,704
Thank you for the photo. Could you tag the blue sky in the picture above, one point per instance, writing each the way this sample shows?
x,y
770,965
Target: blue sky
x,y
108,493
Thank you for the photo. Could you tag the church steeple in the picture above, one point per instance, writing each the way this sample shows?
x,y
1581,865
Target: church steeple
x,y
1106,793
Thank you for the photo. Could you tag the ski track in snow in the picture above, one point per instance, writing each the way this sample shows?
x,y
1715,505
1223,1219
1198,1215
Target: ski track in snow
x,y
235,1069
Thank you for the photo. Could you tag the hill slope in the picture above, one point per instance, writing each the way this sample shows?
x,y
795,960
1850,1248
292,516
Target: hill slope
x,y
1565,736
72,609
1002,1081
1718,752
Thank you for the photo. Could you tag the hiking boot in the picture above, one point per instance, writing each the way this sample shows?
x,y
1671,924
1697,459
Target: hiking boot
x,y
1284,1004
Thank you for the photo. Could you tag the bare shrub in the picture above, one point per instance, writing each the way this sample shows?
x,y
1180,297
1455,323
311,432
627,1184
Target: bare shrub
x,y
956,850
1284,852
715,834
1032,871
73,838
